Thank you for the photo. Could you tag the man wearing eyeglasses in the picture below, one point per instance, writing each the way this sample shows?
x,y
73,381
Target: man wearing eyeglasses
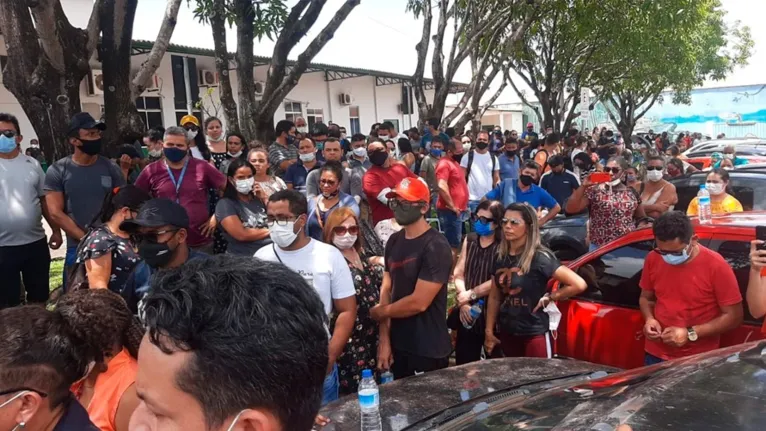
x,y
161,230
320,264
689,293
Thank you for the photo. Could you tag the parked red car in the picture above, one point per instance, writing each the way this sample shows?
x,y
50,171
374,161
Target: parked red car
x,y
604,324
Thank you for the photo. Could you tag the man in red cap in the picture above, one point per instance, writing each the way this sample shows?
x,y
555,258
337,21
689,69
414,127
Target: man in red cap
x,y
413,297
530,133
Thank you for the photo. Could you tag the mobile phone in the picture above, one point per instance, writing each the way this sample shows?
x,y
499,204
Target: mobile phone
x,y
600,177
760,234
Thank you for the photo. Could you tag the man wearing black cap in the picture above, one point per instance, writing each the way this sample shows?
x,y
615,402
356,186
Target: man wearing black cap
x,y
319,132
75,186
160,229
129,160
559,182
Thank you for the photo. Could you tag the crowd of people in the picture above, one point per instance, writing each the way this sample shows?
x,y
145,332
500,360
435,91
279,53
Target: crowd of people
x,y
211,280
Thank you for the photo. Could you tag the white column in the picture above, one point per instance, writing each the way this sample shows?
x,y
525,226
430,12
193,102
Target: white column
x,y
502,121
375,99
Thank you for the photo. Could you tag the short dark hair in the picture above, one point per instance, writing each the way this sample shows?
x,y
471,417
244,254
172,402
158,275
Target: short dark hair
x,y
674,150
439,138
404,145
237,135
450,131
581,140
433,122
356,137
255,331
510,140
39,352
552,139
723,173
332,166
9,118
555,160
449,146
482,132
295,199
673,225
531,164
155,134
387,125
283,126
333,140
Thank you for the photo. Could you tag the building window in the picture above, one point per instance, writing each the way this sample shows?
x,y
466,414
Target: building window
x,y
293,110
314,116
353,116
150,110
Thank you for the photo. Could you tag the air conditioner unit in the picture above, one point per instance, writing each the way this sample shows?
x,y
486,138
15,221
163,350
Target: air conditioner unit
x,y
345,99
260,87
96,82
208,78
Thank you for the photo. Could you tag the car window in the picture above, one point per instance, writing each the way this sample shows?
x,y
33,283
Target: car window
x,y
737,255
613,277
750,191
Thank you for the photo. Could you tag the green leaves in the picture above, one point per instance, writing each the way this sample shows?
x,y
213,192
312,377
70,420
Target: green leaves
x,y
268,15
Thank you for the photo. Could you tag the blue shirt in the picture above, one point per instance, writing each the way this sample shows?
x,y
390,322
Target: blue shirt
x,y
509,169
296,175
425,142
508,192
560,186
314,227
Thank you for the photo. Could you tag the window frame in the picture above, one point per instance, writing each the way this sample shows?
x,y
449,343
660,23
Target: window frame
x,y
144,112
313,116
355,124
291,113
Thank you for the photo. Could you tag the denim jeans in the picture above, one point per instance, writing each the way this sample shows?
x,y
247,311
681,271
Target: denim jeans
x,y
452,226
651,359
472,205
331,386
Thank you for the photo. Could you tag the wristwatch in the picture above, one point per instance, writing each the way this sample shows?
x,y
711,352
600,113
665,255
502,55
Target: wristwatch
x,y
691,334
473,296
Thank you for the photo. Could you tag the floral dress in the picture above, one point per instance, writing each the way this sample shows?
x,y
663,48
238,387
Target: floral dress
x,y
362,348
100,241
219,242
611,213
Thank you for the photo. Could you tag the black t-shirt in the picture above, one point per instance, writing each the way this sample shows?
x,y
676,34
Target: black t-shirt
x,y
428,258
521,293
560,186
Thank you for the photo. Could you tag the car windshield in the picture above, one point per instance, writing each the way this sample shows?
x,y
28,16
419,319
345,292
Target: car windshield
x,y
742,150
724,389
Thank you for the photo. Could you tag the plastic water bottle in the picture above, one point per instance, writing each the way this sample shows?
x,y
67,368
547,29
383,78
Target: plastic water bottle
x,y
703,204
369,403
475,313
386,377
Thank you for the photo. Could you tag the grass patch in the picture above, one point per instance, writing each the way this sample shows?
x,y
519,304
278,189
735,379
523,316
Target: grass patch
x,y
55,275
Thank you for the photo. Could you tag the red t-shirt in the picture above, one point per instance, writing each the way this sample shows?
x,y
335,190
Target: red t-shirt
x,y
193,194
449,170
687,295
377,179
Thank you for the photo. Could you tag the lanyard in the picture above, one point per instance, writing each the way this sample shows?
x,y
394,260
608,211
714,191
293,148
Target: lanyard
x,y
177,184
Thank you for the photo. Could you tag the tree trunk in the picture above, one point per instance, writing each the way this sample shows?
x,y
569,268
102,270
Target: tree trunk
x,y
160,46
218,25
124,125
47,60
264,129
245,16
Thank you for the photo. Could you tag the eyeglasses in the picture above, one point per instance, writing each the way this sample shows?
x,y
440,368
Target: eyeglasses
x,y
670,253
614,170
653,168
280,221
150,236
8,133
483,219
395,203
512,221
191,127
342,230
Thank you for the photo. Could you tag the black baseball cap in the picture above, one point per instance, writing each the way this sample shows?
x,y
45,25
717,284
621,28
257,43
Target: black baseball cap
x,y
319,129
156,213
83,120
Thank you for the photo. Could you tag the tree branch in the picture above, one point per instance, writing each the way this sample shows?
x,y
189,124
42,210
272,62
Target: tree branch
x,y
159,48
45,16
94,27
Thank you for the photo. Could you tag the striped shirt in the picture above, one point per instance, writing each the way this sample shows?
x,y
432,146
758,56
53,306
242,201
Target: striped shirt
x,y
278,154
478,262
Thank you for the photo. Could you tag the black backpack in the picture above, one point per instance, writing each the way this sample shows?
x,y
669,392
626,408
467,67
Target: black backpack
x,y
470,163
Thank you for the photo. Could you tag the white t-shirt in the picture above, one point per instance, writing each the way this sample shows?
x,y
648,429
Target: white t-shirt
x,y
576,172
196,153
320,264
480,180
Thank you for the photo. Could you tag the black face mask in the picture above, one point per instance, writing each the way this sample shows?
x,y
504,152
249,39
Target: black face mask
x,y
378,158
91,147
482,145
407,216
457,157
156,255
526,180
510,154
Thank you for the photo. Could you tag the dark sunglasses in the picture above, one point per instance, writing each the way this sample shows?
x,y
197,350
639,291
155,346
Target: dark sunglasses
x,y
150,236
342,230
512,221
483,219
395,203
8,133
191,127
671,253
653,168
614,170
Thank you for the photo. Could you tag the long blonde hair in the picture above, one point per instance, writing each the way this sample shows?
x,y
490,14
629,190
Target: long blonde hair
x,y
532,243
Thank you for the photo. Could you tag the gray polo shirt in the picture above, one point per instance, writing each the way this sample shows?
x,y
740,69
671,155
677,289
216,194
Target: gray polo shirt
x,y
21,186
84,187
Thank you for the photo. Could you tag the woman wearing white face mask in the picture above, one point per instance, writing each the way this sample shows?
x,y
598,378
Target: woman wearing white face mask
x,y
342,230
330,199
657,195
241,214
613,206
720,202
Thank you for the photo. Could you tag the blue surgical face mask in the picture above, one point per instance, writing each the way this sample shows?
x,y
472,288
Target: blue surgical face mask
x,y
482,229
436,152
672,259
7,145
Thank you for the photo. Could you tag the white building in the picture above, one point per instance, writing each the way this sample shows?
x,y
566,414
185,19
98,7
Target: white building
x,y
353,98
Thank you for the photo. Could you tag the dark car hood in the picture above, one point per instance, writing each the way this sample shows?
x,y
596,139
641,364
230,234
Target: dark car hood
x,y
566,222
404,402
720,390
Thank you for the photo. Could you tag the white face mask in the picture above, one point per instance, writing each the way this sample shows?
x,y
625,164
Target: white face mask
x,y
307,157
155,153
344,242
360,152
383,137
237,154
283,236
654,175
715,188
302,129
554,316
191,134
615,182
245,186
